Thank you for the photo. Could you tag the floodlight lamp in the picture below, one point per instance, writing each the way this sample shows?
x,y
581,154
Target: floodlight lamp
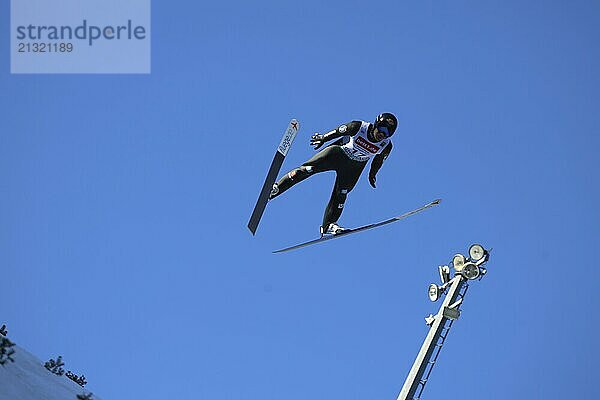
x,y
476,252
471,271
458,262
433,292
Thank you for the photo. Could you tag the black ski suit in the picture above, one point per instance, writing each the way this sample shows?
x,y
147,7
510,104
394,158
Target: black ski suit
x,y
334,158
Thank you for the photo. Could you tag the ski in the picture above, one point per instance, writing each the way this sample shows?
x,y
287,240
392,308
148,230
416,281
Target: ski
x,y
263,198
360,228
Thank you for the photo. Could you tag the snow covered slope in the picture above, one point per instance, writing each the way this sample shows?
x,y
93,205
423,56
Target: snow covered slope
x,y
27,379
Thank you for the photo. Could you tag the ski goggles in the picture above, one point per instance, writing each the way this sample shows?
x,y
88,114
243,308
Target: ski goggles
x,y
384,130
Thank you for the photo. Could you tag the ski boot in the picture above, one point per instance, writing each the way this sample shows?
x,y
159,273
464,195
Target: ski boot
x,y
274,191
332,229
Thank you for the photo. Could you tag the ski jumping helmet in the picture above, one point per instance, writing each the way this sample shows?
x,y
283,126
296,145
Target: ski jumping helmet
x,y
386,123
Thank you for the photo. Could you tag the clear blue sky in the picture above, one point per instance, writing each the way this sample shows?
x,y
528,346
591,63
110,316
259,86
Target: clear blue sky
x,y
124,201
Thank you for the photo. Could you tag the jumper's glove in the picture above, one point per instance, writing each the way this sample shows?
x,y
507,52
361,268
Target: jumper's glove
x,y
317,140
372,180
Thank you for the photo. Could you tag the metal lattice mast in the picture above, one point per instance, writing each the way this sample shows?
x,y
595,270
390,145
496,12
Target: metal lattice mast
x,y
440,324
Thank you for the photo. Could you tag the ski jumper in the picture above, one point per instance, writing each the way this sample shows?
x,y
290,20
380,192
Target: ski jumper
x,y
347,156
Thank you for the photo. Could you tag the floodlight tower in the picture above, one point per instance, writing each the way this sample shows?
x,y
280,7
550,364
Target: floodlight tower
x,y
455,289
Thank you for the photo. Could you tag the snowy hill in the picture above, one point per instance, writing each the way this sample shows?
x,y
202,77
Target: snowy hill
x,y
27,379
